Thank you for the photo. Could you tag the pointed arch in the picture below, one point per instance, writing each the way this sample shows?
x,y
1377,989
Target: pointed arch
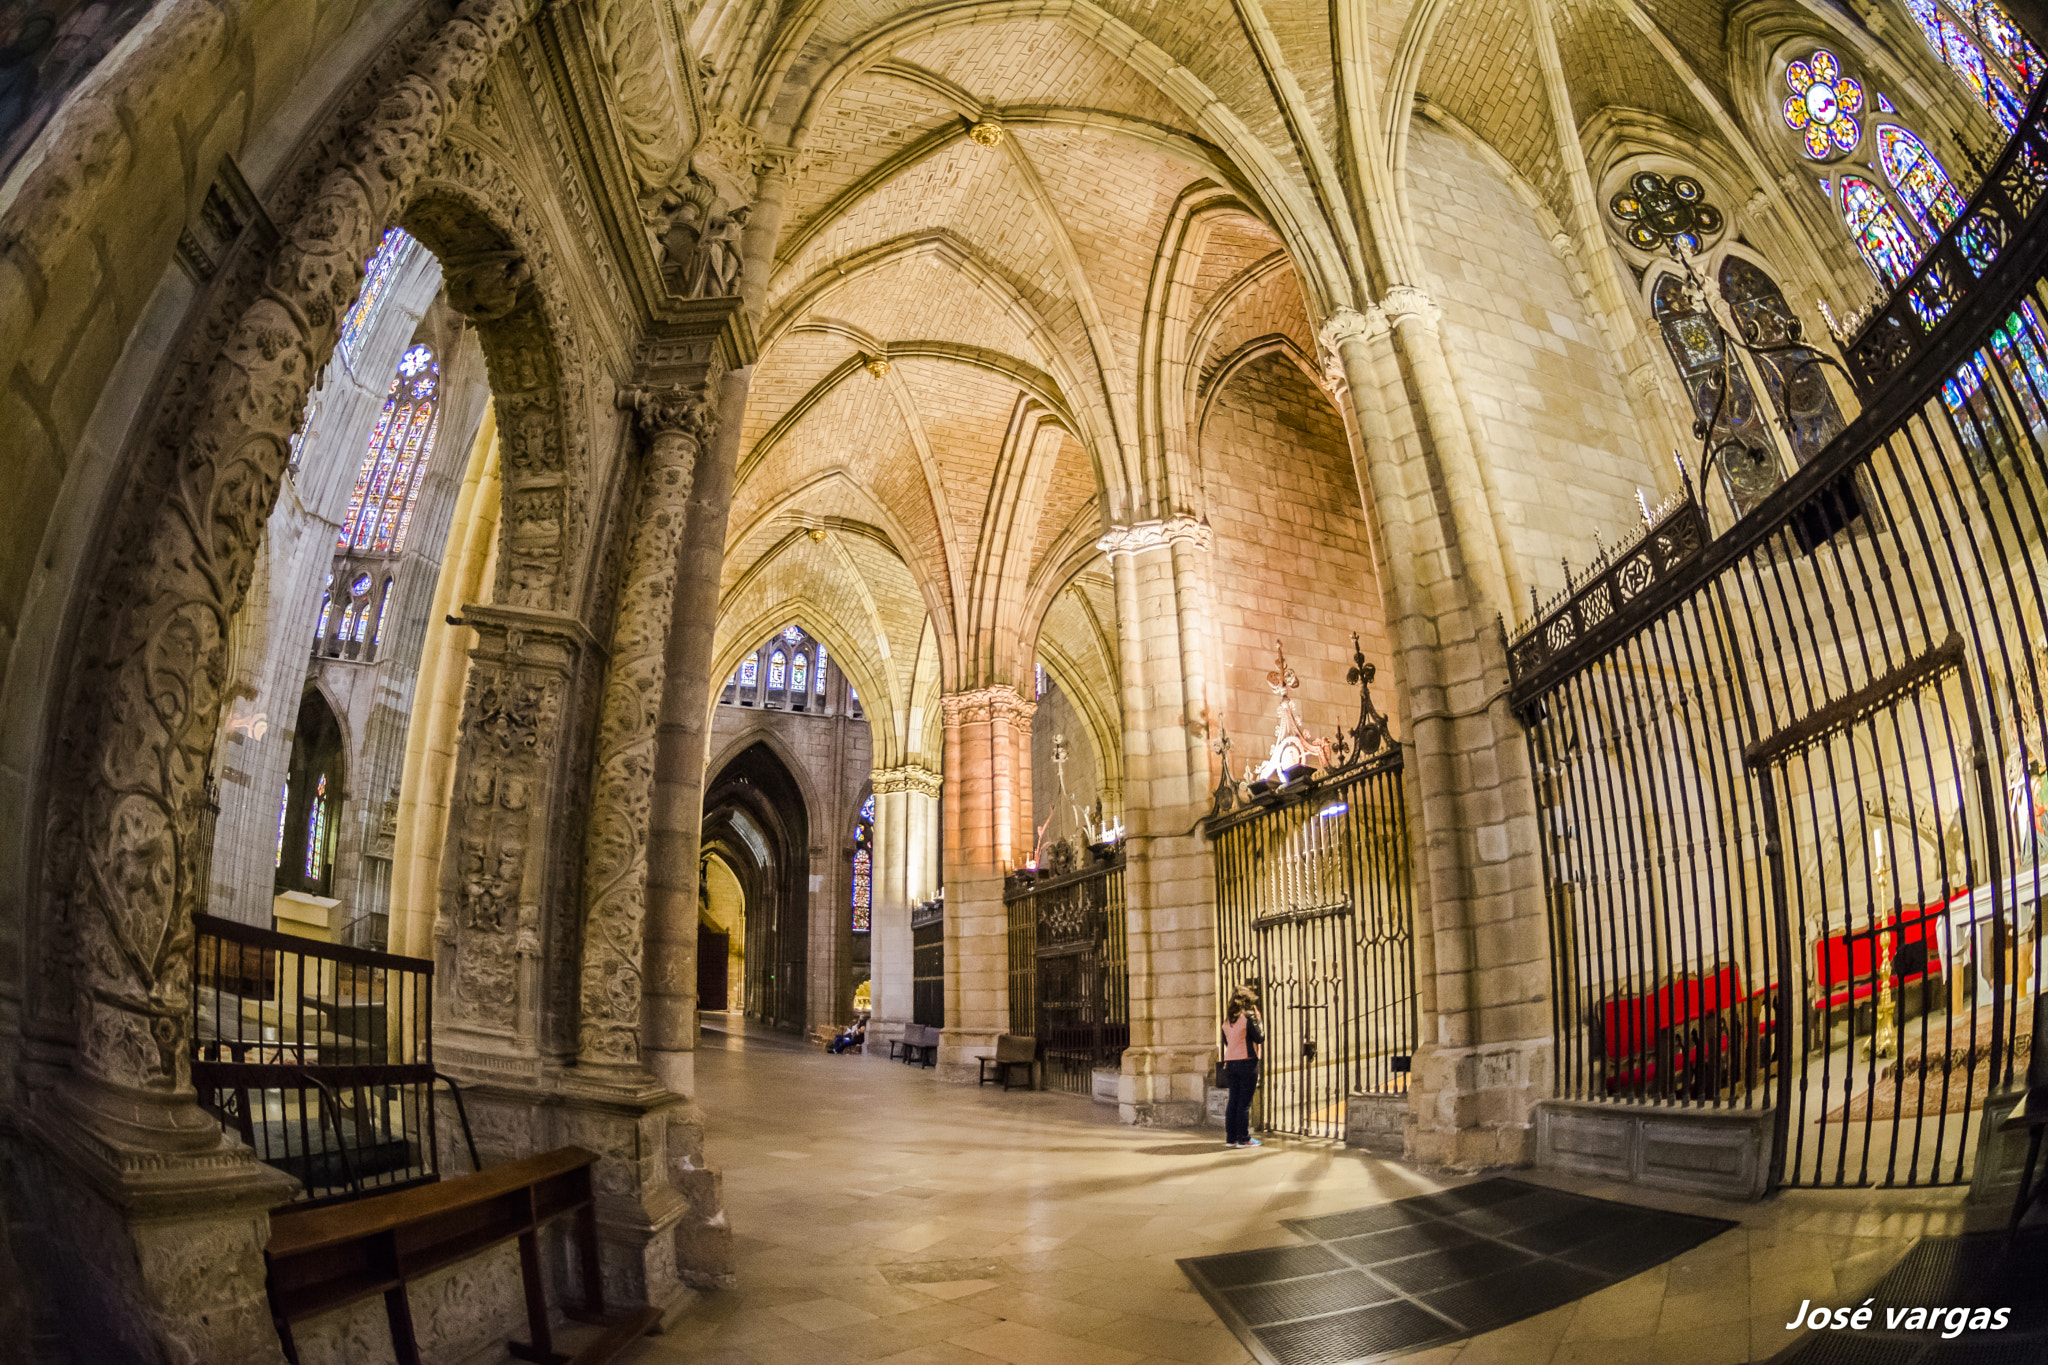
x,y
1920,178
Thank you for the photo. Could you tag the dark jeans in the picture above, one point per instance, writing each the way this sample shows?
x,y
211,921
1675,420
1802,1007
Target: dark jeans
x,y
1243,1078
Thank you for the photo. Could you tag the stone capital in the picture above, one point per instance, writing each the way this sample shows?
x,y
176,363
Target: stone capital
x,y
909,777
1141,536
1000,702
673,410
1404,301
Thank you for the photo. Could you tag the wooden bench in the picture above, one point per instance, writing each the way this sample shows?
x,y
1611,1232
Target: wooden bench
x,y
1012,1051
919,1046
326,1258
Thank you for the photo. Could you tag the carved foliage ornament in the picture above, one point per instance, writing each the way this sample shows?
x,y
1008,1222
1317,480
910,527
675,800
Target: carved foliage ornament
x,y
151,676
635,50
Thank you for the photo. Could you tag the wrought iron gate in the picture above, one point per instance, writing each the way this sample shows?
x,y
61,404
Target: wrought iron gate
x,y
1793,801
1314,912
928,963
1070,984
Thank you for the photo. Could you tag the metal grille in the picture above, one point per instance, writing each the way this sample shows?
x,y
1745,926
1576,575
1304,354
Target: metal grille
x,y
928,964
320,1056
1791,779
1313,908
1070,983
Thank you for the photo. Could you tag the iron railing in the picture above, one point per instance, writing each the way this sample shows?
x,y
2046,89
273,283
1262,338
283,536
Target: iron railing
x,y
1791,783
1070,975
1314,911
320,1056
928,963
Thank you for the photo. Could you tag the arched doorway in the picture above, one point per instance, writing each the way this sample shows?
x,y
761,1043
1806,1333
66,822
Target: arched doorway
x,y
757,824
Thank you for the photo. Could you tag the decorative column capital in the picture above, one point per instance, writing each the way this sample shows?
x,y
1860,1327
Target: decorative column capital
x,y
1404,301
909,777
1141,536
673,410
1000,702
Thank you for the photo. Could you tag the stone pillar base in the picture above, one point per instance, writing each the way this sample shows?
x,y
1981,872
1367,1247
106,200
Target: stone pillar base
x,y
1165,1087
961,1051
881,1033
1474,1107
163,1221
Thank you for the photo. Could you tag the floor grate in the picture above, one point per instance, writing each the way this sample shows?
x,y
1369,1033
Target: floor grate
x,y
1381,1281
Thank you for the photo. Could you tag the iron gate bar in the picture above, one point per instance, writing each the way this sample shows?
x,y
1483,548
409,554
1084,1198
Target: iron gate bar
x,y
1067,928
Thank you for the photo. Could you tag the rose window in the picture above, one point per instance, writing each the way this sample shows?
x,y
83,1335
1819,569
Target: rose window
x,y
1658,211
1823,105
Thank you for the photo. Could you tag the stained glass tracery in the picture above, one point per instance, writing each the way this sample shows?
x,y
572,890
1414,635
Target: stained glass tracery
x,y
821,670
799,674
1920,179
750,671
316,827
1823,105
1882,238
1956,31
378,274
1659,211
394,468
778,671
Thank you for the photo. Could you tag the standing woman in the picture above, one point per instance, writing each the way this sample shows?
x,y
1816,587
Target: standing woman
x,y
1243,1046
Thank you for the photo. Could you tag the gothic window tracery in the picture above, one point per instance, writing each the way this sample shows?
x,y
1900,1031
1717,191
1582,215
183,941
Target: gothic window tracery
x,y
863,868
378,275
1660,212
1979,41
394,468
1823,105
316,829
778,672
1920,179
1887,245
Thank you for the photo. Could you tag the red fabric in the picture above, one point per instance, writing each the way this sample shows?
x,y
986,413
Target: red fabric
x,y
1845,964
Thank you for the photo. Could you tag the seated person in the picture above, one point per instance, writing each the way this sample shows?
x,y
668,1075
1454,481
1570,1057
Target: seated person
x,y
853,1039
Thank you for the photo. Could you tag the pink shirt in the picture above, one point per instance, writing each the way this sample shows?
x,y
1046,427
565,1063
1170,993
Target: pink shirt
x,y
1236,1048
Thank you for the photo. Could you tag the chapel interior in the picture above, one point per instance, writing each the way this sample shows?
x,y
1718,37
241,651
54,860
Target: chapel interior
x,y
802,592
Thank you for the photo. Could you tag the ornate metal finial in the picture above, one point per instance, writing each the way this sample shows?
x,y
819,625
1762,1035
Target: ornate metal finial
x,y
1370,735
1226,795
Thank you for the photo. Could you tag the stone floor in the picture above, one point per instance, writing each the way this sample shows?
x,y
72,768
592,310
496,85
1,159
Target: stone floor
x,y
882,1215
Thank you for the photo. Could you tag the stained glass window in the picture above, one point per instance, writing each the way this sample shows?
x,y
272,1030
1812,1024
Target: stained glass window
x,y
863,891
383,267
1800,392
326,607
383,611
1919,179
1659,211
1968,399
821,670
793,636
750,671
394,468
778,670
1884,106
1038,679
867,810
284,805
2022,347
1882,238
316,827
1823,105
2012,63
1742,441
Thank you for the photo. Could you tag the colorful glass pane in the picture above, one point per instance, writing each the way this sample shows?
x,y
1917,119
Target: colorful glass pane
x,y
800,675
316,827
326,606
793,636
863,892
1806,405
382,268
1980,241
383,612
821,670
1887,246
778,671
1884,106
1969,402
867,809
284,805
750,672
1919,178
2022,348
394,468
1823,105
2003,36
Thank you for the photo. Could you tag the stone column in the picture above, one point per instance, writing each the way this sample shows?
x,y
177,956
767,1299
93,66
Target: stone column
x,y
981,822
1168,898
905,799
1484,1056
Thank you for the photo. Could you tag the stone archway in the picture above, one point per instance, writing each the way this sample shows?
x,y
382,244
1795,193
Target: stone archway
x,y
758,797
